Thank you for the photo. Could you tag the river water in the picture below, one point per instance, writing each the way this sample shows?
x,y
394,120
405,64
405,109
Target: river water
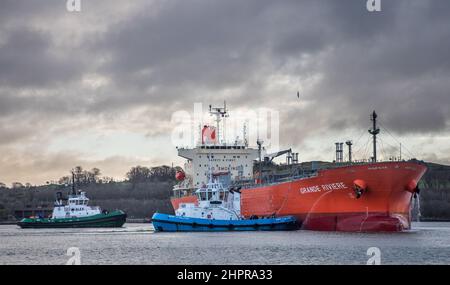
x,y
427,243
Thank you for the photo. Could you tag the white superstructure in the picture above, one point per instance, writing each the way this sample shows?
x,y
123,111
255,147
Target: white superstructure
x,y
215,202
76,207
235,158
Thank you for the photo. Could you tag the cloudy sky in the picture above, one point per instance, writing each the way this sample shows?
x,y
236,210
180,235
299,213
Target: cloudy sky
x,y
99,87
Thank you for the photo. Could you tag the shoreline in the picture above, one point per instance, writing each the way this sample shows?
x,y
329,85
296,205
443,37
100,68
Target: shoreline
x,y
146,220
432,220
8,222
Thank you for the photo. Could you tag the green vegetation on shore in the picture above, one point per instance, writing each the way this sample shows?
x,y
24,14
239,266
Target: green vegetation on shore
x,y
145,191
435,192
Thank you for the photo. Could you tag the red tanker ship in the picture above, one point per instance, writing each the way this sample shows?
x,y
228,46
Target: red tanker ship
x,y
369,196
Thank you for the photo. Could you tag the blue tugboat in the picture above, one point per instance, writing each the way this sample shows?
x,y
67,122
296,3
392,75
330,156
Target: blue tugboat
x,y
171,223
218,209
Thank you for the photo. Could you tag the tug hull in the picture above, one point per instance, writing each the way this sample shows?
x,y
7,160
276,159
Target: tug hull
x,y
170,223
114,219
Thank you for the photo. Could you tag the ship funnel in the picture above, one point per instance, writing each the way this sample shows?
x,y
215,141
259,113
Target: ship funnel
x,y
349,144
339,152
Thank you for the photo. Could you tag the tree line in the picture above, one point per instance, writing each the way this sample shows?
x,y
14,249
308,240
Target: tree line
x,y
137,174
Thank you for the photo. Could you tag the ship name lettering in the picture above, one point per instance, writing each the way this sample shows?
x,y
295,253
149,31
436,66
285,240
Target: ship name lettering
x,y
323,187
334,186
310,189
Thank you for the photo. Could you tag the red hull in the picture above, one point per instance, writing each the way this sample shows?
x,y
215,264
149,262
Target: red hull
x,y
329,202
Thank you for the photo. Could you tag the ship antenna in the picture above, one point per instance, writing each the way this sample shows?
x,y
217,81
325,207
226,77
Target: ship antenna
x,y
224,116
219,112
245,134
209,168
73,183
374,132
259,142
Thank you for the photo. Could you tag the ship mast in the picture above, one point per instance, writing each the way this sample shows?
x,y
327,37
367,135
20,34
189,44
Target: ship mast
x,y
210,169
349,144
374,132
219,112
260,142
73,183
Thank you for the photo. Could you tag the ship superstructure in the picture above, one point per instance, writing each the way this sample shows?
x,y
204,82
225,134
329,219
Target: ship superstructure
x,y
76,207
229,160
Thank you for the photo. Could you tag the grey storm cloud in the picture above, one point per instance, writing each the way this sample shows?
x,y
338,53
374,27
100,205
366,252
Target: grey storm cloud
x,y
396,61
169,54
27,60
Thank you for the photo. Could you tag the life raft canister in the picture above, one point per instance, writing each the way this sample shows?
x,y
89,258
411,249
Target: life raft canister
x,y
180,176
360,186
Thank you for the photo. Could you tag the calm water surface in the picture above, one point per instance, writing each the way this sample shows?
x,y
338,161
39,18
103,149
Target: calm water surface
x,y
427,243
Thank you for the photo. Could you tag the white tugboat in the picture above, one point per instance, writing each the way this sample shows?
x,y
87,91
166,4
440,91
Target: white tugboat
x,y
76,214
214,202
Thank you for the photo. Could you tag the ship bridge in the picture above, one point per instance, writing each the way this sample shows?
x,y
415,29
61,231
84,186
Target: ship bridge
x,y
236,160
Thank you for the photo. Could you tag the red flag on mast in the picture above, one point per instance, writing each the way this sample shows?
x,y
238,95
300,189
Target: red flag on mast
x,y
209,135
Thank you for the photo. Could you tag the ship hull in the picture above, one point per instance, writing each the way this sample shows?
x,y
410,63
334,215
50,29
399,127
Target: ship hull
x,y
329,201
114,219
